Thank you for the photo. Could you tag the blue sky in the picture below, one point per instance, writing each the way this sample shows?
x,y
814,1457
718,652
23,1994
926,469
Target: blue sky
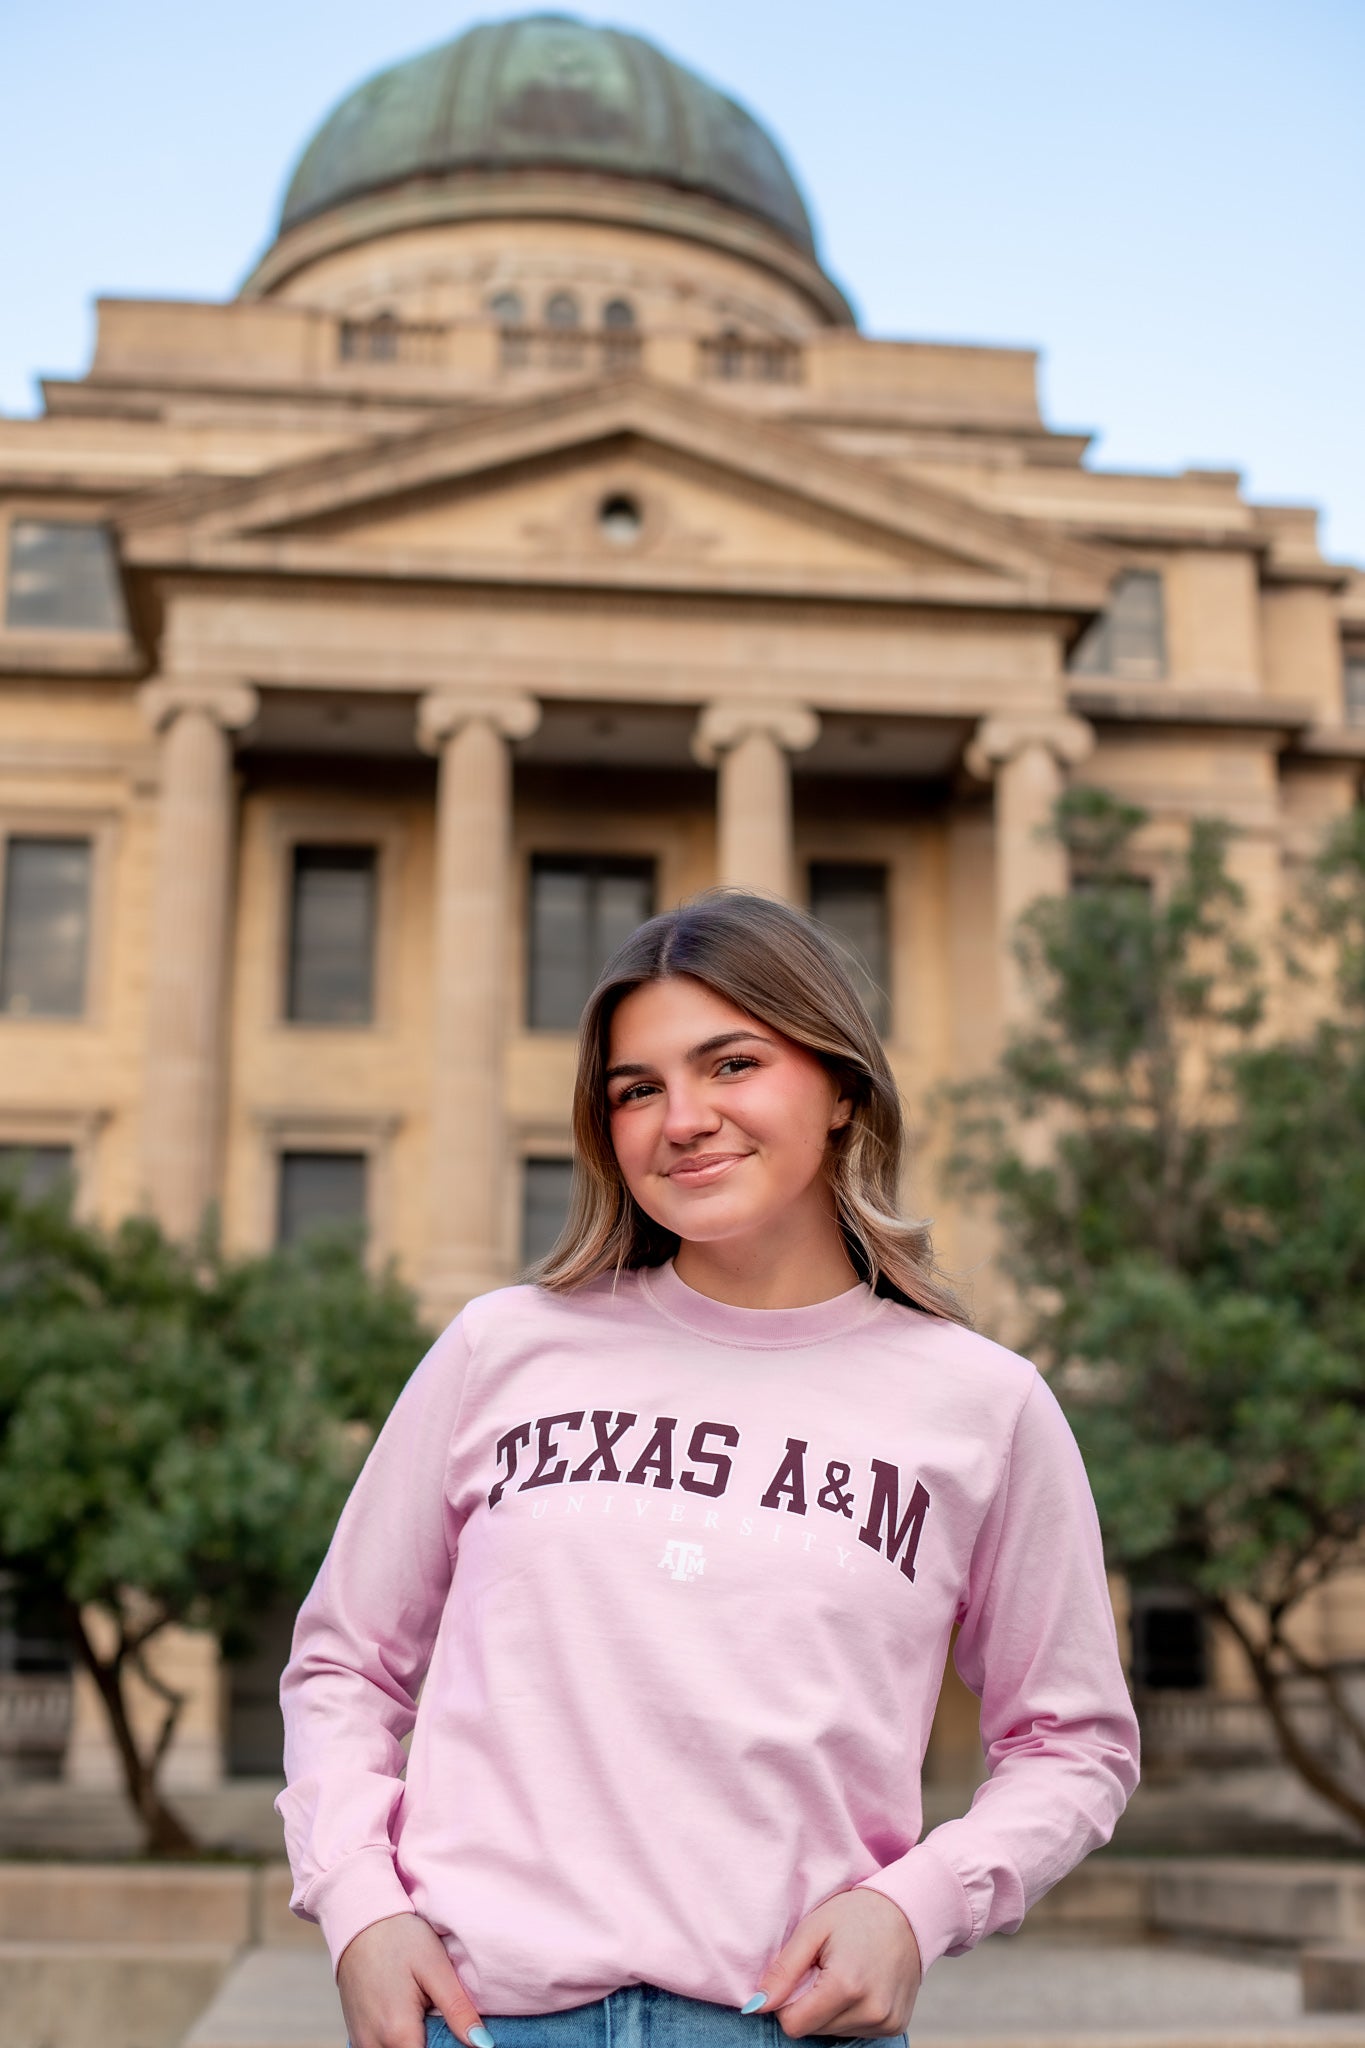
x,y
1168,199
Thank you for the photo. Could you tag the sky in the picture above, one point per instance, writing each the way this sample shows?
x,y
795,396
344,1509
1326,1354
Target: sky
x,y
1166,200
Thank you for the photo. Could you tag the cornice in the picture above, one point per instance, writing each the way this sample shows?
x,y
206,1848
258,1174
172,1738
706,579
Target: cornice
x,y
287,562
1223,709
593,197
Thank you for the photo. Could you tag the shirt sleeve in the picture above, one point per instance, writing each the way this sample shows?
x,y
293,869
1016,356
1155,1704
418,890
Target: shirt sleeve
x,y
362,1642
1038,1645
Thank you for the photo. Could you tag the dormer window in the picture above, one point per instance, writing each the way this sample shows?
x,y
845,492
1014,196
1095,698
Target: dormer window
x,y
618,315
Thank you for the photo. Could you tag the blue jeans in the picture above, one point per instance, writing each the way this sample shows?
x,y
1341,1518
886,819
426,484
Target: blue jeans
x,y
644,2016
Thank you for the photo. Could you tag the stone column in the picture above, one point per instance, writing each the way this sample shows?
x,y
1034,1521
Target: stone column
x,y
748,744
1027,757
469,736
189,940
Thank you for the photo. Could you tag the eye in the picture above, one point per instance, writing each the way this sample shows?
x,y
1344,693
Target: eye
x,y
635,1089
736,1059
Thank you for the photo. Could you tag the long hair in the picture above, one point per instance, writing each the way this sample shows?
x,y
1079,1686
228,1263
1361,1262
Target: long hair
x,y
778,966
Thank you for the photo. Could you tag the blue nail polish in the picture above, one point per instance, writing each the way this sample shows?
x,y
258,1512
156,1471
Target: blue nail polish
x,y
752,2004
481,2037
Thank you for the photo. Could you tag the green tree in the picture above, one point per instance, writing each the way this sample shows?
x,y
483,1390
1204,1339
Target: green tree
x,y
178,1432
1188,1246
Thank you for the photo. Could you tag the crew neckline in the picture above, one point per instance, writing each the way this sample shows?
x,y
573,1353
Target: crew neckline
x,y
766,1329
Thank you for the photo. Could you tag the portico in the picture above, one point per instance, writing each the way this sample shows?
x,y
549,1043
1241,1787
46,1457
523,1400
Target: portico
x,y
911,676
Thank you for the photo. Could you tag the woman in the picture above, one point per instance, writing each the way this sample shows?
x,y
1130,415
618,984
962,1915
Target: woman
x,y
678,1532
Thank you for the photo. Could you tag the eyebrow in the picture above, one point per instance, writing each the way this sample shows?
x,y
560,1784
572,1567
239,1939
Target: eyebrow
x,y
698,1052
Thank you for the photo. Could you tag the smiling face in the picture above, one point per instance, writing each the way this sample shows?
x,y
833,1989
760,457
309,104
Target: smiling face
x,y
720,1125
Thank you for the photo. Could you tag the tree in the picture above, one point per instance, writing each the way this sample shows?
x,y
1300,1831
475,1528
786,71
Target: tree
x,y
178,1431
1189,1247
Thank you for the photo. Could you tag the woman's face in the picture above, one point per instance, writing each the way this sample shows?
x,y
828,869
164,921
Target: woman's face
x,y
721,1126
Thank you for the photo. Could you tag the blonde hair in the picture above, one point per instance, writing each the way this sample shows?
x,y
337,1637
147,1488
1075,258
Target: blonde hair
x,y
779,966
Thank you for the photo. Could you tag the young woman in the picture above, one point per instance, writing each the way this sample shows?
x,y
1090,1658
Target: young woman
x,y
677,1533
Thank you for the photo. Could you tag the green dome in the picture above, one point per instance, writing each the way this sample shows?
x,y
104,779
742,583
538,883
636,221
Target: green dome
x,y
546,92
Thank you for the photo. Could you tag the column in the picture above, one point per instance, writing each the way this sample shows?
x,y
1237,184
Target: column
x,y
470,738
182,1105
748,745
1027,758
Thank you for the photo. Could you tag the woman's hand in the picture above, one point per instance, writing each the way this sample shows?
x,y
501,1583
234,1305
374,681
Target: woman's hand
x,y
390,1976
869,1965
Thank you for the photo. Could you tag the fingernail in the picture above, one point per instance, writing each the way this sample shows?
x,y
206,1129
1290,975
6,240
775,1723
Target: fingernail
x,y
752,2004
481,2037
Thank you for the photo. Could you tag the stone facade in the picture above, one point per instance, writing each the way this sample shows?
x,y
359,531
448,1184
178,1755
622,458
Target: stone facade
x,y
731,589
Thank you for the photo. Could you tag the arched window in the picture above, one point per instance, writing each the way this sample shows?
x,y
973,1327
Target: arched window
x,y
506,309
618,314
561,310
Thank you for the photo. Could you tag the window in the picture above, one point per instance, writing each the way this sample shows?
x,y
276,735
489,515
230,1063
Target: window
x,y
321,1191
34,1636
581,910
1353,678
1083,879
62,578
561,310
850,898
331,935
45,933
619,519
506,309
618,314
38,1170
1169,1649
544,1204
375,340
1130,638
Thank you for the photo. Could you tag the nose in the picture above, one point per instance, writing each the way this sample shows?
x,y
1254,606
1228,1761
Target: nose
x,y
687,1113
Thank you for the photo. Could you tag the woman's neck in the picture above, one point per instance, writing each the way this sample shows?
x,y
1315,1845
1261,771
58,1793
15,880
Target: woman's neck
x,y
801,1270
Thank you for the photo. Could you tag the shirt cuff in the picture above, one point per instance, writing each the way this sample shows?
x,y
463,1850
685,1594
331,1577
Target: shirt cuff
x,y
931,1895
353,1895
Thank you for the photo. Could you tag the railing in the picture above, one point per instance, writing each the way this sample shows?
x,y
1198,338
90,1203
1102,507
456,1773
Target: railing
x,y
386,340
1199,1728
737,356
605,350
35,1714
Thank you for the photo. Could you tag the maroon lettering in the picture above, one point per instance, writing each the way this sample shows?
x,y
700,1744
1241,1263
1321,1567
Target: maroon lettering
x,y
605,1438
548,1447
728,1434
789,1478
834,1494
657,1455
885,1501
507,1447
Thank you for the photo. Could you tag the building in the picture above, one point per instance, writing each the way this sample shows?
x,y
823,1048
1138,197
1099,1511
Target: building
x,y
534,539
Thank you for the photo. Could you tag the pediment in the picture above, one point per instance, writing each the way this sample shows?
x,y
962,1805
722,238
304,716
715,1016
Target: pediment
x,y
519,491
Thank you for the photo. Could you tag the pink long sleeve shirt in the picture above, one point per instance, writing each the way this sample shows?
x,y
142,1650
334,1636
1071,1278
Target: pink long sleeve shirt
x,y
680,1578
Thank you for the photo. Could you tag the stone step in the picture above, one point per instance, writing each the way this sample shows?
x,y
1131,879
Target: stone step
x,y
119,1994
161,1902
1022,1991
108,1902
1009,1993
1281,1904
273,1998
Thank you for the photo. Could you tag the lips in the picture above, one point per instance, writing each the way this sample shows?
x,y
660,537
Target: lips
x,y
704,1168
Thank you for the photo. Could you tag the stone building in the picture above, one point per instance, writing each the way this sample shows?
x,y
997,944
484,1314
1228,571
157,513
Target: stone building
x,y
534,539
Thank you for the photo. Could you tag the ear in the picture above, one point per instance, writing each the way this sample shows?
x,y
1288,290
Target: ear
x,y
843,1113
